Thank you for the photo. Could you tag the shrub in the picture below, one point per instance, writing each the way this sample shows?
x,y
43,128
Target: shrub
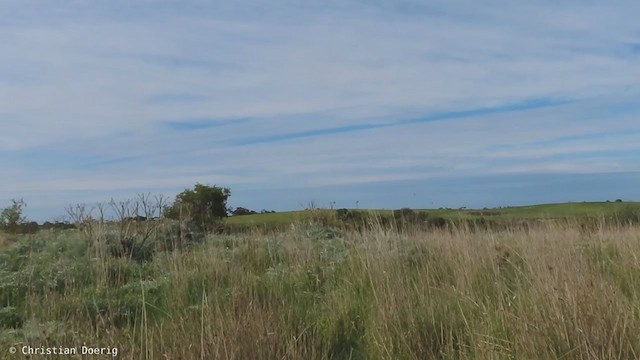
x,y
203,207
11,218
346,215
437,222
406,216
10,318
628,215
239,211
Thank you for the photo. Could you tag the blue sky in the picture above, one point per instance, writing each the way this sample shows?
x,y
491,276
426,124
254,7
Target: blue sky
x,y
387,103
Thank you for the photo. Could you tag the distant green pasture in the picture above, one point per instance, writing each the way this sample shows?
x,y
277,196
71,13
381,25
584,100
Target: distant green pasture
x,y
543,211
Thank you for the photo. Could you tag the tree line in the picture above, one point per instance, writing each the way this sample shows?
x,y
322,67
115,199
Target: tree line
x,y
203,207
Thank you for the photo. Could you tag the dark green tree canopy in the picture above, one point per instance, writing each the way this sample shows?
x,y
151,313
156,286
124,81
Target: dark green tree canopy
x,y
203,206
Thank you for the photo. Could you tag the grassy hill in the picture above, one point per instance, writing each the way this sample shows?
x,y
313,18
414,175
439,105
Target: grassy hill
x,y
542,211
549,292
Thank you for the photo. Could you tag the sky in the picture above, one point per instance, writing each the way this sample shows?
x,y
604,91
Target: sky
x,y
374,104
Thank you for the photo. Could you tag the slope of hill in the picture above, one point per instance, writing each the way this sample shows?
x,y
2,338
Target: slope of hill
x,y
541,211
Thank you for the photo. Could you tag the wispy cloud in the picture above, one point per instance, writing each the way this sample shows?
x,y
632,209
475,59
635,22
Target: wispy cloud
x,y
200,124
451,115
634,47
120,95
162,99
99,163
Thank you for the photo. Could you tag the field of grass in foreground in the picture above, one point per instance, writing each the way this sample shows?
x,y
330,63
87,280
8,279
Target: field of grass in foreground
x,y
551,292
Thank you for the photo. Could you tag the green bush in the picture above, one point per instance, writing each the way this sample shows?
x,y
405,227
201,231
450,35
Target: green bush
x,y
202,207
11,318
628,215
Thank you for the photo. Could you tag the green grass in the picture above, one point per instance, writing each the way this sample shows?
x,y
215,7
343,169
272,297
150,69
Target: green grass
x,y
564,210
279,218
310,292
543,211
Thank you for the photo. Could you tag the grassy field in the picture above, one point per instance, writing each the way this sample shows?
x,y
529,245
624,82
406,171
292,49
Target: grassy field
x,y
564,210
544,211
554,291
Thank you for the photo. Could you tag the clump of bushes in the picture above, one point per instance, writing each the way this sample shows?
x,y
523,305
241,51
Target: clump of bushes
x,y
13,221
408,215
346,215
239,211
628,215
399,219
10,318
202,207
408,218
351,219
437,222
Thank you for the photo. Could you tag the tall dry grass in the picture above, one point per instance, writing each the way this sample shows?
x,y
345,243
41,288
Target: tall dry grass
x,y
551,291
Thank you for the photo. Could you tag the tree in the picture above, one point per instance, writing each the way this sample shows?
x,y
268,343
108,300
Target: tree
x,y
239,211
11,218
202,207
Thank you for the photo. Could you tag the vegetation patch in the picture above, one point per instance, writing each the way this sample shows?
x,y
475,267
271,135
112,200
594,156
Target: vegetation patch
x,y
338,284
